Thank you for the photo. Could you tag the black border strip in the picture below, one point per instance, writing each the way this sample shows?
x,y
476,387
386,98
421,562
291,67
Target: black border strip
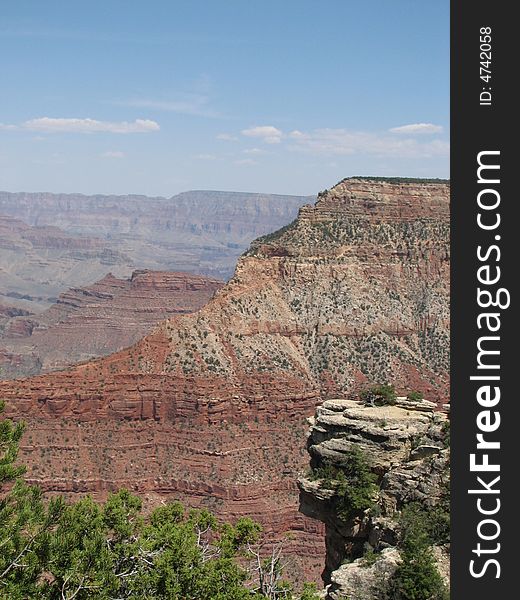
x,y
476,128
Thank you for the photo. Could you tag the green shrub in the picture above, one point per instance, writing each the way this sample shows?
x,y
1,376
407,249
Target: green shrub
x,y
87,550
369,558
417,577
379,395
309,592
432,521
415,396
353,482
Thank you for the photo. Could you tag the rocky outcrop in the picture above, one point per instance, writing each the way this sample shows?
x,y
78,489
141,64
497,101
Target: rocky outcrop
x,y
211,407
406,446
99,319
361,579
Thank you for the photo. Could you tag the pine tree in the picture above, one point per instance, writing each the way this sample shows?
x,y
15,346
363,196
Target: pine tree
x,y
10,436
25,522
417,577
93,551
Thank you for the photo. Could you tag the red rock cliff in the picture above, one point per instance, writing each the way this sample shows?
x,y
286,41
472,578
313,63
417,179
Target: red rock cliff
x,y
211,407
99,319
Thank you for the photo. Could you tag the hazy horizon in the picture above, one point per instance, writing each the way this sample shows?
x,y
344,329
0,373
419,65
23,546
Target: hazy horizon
x,y
194,190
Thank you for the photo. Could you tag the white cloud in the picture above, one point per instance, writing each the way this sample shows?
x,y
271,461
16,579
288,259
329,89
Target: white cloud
x,y
227,137
334,142
5,127
113,154
254,151
205,157
414,128
246,162
52,125
267,133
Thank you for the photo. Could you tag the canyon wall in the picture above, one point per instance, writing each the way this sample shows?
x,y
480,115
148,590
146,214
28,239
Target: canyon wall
x,y
37,263
196,231
211,407
93,321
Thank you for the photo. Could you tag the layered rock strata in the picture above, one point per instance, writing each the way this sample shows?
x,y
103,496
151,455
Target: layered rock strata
x,y
211,407
99,319
195,231
38,262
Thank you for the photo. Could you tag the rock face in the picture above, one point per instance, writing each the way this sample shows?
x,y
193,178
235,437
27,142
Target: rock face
x,y
406,446
211,407
97,320
12,364
36,263
197,231
361,581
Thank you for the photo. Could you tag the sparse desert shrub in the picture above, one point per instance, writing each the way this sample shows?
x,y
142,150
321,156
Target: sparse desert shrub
x,y
353,482
379,395
417,577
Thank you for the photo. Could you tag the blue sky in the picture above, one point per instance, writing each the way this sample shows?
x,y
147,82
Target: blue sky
x,y
157,97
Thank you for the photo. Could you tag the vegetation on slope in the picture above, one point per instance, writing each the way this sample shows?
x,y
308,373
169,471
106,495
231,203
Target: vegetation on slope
x,y
353,482
59,551
417,577
379,395
421,528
